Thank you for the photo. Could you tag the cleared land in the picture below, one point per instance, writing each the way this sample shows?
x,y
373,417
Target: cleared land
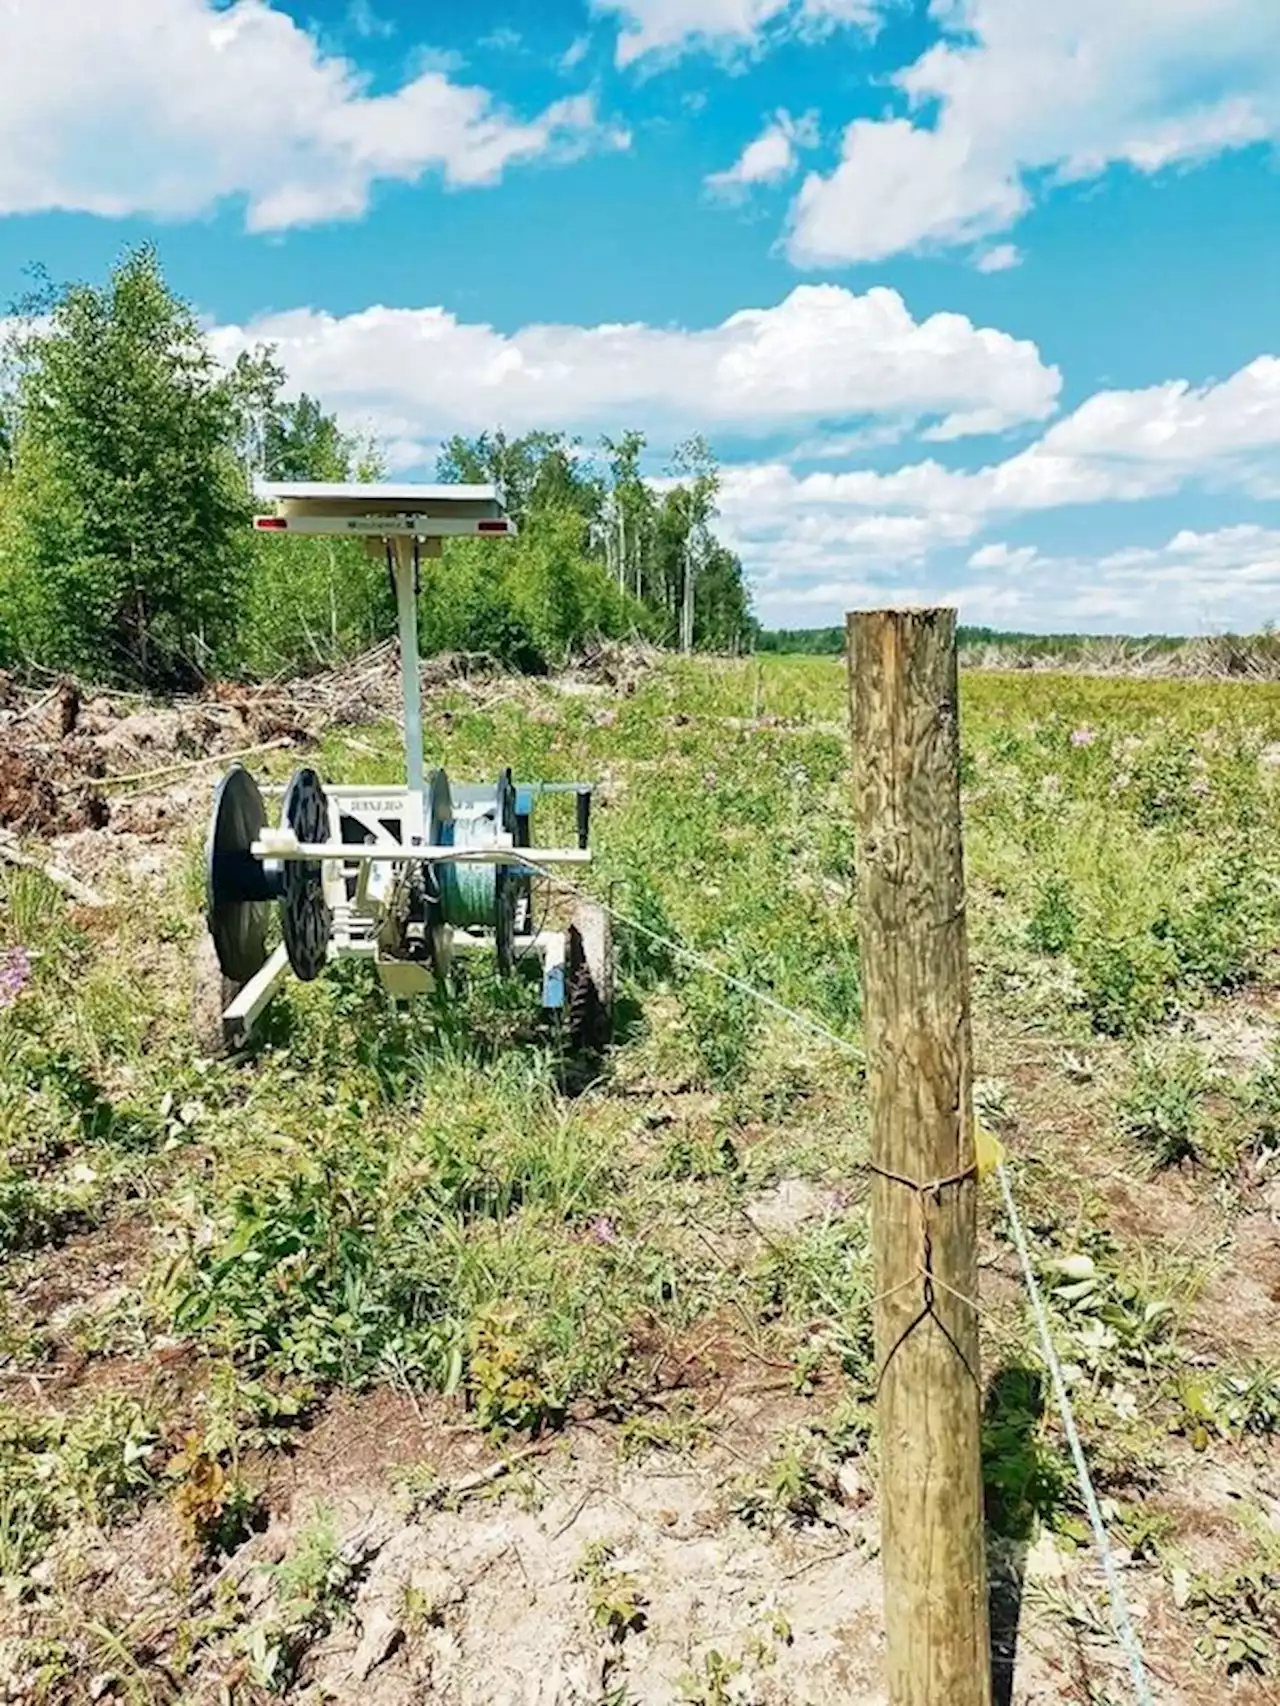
x,y
396,1362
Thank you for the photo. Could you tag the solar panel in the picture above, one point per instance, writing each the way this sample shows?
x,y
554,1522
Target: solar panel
x,y
382,509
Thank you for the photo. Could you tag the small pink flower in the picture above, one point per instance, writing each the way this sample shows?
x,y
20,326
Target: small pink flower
x,y
15,974
602,1230
1083,736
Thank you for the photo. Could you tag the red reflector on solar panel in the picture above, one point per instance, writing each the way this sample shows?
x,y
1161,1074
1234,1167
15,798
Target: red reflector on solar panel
x,y
270,523
491,526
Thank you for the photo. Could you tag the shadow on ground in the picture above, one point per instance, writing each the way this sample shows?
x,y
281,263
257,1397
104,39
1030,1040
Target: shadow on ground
x,y
1022,1487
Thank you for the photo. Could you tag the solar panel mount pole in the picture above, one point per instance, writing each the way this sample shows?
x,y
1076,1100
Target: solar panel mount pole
x,y
410,675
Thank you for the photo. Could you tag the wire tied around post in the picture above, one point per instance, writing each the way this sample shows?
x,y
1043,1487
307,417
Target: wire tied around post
x,y
928,1197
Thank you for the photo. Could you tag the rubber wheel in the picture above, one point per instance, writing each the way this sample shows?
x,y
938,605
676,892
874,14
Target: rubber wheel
x,y
211,993
589,978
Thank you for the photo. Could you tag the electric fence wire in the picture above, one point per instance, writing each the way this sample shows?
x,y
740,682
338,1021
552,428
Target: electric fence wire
x,y
1121,1617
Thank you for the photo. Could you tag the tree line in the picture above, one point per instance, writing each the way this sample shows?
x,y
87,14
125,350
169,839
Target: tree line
x,y
127,456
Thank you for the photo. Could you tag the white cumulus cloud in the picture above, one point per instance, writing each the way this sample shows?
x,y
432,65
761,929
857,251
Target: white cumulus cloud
x,y
1015,91
1196,583
822,354
801,531
1002,556
999,258
668,28
771,157
166,107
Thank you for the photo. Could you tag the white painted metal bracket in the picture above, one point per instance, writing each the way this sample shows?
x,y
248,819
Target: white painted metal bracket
x,y
238,1018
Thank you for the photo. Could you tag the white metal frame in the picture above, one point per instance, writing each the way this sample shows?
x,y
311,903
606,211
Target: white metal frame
x,y
367,924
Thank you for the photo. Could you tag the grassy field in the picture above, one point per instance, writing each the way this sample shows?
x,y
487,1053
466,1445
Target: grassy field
x,y
381,1366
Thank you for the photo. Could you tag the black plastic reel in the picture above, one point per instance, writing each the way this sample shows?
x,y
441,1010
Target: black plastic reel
x,y
306,921
238,888
522,832
508,883
439,832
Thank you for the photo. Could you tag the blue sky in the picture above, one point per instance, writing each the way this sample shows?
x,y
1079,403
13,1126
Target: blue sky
x,y
977,300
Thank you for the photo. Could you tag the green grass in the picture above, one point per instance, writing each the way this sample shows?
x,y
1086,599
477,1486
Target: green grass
x,y
412,1199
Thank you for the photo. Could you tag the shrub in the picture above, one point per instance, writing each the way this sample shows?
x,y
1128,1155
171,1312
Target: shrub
x,y
1125,983
310,603
1052,927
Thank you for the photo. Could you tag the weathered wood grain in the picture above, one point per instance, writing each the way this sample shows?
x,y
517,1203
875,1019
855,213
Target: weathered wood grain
x,y
915,975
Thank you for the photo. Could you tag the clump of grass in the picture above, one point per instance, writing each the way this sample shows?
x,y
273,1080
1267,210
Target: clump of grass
x,y
1215,934
1163,1108
691,1153
819,1280
310,1586
615,1600
1125,983
681,1427
1231,1403
793,1488
1239,1615
720,1023
380,1249
1027,1478
215,1507
1054,919
1262,1102
97,1465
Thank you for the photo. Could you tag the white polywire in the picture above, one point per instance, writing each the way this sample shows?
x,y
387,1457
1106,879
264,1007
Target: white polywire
x,y
1121,1620
704,964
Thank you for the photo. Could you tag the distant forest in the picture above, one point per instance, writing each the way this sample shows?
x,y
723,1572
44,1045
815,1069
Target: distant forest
x,y
821,642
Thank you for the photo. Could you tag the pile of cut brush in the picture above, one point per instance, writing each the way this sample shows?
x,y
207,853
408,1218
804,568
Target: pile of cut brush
x,y
68,750
63,750
1208,657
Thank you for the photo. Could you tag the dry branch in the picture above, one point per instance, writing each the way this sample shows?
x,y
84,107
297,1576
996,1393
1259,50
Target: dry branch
x,y
12,854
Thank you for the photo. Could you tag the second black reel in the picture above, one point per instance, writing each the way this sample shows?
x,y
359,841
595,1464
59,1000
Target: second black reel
x,y
240,886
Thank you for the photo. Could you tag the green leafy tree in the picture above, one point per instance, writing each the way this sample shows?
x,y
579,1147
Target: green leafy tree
x,y
630,517
540,471
302,442
531,601
308,603
722,606
128,512
697,467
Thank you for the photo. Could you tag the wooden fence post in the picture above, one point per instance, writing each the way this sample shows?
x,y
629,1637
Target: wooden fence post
x,y
915,974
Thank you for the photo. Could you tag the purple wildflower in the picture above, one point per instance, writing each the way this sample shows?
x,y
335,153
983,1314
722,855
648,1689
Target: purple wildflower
x,y
1083,736
15,974
602,1230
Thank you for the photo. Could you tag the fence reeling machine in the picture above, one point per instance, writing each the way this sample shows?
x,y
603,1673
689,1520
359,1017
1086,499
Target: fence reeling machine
x,y
405,875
